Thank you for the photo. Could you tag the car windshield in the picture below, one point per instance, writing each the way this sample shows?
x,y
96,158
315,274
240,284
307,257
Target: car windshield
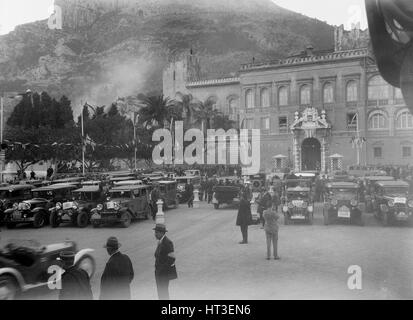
x,y
343,194
7,194
396,190
43,194
86,196
298,195
120,194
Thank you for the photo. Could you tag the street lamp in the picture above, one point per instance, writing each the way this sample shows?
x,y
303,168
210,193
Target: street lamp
x,y
83,135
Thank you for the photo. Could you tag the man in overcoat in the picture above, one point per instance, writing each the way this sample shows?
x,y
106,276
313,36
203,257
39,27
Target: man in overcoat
x,y
165,269
118,273
244,217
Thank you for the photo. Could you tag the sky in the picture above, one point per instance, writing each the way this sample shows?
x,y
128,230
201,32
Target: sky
x,y
335,12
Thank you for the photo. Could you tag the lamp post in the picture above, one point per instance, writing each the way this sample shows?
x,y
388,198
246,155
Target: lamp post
x,y
135,122
83,134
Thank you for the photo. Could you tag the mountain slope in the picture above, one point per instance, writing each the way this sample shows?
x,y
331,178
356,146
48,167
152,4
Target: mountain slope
x,y
110,48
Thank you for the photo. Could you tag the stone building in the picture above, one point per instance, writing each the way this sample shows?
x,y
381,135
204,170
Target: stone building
x,y
316,110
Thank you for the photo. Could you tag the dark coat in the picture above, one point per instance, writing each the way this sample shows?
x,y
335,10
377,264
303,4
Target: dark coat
x,y
165,265
244,217
116,278
75,285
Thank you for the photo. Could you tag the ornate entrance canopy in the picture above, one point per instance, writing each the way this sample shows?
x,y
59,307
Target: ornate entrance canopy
x,y
311,123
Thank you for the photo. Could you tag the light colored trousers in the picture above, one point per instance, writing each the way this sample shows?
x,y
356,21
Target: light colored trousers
x,y
272,237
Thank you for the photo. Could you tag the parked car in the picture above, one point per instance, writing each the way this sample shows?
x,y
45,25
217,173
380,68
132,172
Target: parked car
x,y
369,188
24,265
363,171
124,204
12,194
392,202
36,211
342,203
77,181
225,195
297,201
168,193
78,210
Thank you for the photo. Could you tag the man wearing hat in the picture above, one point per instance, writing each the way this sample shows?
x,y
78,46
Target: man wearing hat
x,y
118,274
165,269
75,281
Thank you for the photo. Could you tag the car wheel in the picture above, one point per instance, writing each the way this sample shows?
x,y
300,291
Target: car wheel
x,y
216,206
325,216
9,288
126,219
54,219
39,220
88,264
82,219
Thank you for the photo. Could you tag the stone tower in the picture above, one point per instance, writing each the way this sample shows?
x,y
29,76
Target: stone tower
x,y
186,68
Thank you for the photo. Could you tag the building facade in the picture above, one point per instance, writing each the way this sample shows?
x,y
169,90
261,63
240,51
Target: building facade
x,y
316,110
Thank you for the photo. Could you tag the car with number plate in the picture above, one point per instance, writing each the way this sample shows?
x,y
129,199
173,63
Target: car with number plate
x,y
12,194
393,202
342,203
369,189
77,211
297,201
123,205
36,211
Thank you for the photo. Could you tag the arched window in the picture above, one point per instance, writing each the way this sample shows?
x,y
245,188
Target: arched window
x,y
305,95
328,93
352,91
283,96
378,89
233,106
377,120
265,98
249,99
404,120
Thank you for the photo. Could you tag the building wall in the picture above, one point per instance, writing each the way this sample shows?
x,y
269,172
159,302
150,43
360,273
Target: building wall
x,y
352,66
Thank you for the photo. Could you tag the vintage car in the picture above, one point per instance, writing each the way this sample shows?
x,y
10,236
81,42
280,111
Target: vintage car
x,y
364,171
168,194
340,176
12,194
369,189
342,202
25,265
225,194
77,211
128,183
181,182
36,211
297,201
192,173
392,202
258,181
124,204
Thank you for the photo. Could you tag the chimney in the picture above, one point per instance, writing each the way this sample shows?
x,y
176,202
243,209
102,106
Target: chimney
x,y
309,51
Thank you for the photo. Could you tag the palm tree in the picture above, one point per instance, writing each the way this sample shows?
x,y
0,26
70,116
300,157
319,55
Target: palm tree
x,y
206,114
187,106
157,111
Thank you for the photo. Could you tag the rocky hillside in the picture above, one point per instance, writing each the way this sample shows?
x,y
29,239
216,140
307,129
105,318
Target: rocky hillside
x,y
111,48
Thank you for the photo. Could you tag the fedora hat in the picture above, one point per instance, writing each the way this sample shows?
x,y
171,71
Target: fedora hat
x,y
112,242
160,227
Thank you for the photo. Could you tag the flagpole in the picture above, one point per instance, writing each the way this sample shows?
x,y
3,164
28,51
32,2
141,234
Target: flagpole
x,y
83,141
358,140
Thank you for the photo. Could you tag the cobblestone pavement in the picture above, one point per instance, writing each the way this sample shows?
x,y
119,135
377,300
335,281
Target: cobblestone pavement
x,y
212,265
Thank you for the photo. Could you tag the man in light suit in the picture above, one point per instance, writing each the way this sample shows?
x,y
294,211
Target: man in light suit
x,y
165,269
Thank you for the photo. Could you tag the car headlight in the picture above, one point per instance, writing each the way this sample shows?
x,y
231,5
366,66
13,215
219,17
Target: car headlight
x,y
99,207
334,202
58,206
15,206
290,205
410,203
285,208
116,206
27,206
310,208
391,203
304,205
354,203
